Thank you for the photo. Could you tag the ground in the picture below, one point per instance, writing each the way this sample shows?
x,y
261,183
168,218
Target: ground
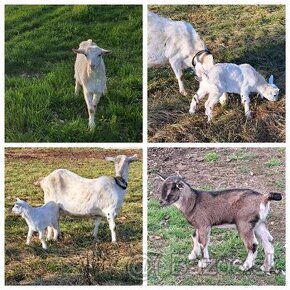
x,y
76,259
169,234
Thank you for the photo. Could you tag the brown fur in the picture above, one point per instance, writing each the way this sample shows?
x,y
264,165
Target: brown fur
x,y
204,209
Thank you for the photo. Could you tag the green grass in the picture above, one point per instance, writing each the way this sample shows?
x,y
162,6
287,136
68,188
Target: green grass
x,y
170,244
253,34
75,259
40,105
211,157
273,162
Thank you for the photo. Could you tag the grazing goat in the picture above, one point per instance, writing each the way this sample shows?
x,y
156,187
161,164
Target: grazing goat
x,y
245,208
175,43
90,73
99,197
223,78
38,219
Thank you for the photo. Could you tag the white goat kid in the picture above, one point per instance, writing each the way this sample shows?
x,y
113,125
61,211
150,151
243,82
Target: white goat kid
x,y
175,43
225,78
90,73
98,197
38,219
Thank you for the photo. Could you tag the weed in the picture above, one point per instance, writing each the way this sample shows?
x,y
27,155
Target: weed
x,y
273,162
211,157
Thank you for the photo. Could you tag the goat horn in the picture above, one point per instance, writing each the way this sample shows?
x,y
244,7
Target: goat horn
x,y
161,176
178,174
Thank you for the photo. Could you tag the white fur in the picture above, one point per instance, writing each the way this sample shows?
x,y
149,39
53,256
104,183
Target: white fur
x,y
264,210
225,78
39,218
175,43
266,240
90,73
98,197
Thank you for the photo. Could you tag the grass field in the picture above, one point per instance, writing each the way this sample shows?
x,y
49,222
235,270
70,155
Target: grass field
x,y
76,259
169,234
234,33
40,105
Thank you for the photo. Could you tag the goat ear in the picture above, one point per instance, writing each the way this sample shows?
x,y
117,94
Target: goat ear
x,y
207,61
106,52
132,158
271,80
110,159
81,51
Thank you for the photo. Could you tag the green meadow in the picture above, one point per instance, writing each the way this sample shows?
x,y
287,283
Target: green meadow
x,y
40,105
76,258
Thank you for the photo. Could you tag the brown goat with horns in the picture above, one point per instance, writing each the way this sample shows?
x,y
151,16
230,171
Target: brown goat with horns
x,y
244,208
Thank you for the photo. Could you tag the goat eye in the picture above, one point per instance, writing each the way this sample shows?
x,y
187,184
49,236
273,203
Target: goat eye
x,y
85,55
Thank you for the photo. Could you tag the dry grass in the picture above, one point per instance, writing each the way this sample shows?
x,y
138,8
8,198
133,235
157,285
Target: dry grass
x,y
228,32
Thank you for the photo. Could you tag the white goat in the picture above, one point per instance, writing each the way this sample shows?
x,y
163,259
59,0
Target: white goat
x,y
175,43
223,78
99,197
90,73
38,219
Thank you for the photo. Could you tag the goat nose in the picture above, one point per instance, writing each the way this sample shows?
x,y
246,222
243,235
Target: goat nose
x,y
93,66
161,202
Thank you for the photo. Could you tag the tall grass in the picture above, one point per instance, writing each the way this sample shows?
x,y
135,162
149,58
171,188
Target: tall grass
x,y
40,105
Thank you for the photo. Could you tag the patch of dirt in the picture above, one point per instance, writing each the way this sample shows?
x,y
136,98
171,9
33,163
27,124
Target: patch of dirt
x,y
235,168
75,153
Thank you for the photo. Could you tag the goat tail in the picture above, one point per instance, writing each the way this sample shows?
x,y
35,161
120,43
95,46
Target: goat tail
x,y
274,196
38,181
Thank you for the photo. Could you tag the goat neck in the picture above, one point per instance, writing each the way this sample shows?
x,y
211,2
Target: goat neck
x,y
122,170
187,201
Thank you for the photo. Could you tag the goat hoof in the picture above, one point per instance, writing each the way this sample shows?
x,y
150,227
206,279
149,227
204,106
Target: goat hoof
x,y
265,268
191,111
183,92
191,257
249,116
203,263
245,267
92,127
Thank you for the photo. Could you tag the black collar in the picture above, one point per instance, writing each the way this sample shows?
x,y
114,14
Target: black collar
x,y
207,51
121,182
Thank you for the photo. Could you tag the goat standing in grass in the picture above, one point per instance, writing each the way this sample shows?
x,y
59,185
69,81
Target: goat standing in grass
x,y
90,73
245,208
223,78
98,197
38,219
175,43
